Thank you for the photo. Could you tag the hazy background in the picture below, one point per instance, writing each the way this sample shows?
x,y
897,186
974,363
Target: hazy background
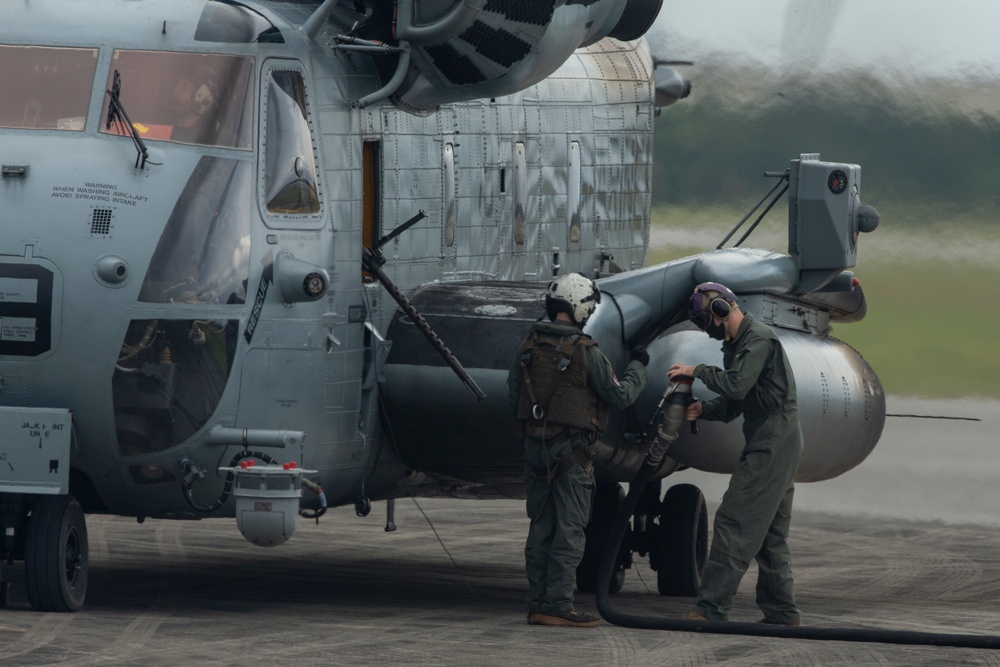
x,y
908,90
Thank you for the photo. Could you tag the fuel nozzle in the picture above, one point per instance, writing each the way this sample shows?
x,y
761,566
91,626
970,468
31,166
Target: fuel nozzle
x,y
673,404
691,398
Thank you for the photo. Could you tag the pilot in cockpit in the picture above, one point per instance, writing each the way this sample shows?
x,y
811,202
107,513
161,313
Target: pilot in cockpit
x,y
194,96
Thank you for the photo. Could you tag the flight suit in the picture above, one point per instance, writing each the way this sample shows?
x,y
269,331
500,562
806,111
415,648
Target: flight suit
x,y
755,514
558,474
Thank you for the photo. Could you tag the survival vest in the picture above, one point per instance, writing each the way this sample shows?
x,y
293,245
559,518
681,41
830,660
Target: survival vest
x,y
554,391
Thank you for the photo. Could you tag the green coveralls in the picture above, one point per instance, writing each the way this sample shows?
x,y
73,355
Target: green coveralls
x,y
560,509
756,510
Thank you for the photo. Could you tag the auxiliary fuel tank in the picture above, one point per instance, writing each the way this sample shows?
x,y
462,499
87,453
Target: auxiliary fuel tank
x,y
840,399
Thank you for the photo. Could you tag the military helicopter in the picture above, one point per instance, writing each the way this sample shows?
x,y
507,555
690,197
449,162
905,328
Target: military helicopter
x,y
262,258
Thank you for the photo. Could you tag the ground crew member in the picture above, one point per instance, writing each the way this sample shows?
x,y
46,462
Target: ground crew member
x,y
561,386
756,510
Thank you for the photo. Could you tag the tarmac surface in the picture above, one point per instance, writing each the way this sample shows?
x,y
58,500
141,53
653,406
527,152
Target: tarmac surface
x,y
909,540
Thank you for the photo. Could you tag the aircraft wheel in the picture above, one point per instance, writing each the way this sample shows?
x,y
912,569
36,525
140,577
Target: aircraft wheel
x,y
55,554
683,541
607,501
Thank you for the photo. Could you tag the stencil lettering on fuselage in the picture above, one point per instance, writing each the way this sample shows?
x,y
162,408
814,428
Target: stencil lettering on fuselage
x,y
25,309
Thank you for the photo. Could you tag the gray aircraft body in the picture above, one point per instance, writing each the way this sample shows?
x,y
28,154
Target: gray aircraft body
x,y
210,304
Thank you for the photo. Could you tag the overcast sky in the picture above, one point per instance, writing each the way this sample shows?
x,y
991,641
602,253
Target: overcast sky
x,y
912,38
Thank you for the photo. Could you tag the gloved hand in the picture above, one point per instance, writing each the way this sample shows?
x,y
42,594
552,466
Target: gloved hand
x,y
639,354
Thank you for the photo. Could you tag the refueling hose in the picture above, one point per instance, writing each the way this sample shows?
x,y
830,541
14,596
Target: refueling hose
x,y
676,398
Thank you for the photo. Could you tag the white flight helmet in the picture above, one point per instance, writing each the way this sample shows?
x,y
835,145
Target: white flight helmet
x,y
203,99
573,294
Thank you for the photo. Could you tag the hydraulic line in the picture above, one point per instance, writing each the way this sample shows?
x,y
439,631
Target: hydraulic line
x,y
227,487
318,490
676,400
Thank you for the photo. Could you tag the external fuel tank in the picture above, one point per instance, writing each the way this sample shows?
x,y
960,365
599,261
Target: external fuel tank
x,y
840,399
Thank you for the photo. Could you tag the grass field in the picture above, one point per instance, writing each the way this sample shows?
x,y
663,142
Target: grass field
x,y
933,293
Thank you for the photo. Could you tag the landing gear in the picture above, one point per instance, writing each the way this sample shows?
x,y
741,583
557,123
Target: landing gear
x,y
55,554
607,501
681,546
677,546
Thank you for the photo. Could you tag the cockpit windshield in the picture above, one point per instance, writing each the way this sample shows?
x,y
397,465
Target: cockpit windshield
x,y
190,98
45,88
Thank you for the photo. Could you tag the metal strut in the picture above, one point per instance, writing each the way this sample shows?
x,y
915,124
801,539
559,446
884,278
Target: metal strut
x,y
783,176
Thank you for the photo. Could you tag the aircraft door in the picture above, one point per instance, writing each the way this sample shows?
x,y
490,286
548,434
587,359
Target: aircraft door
x,y
375,347
371,197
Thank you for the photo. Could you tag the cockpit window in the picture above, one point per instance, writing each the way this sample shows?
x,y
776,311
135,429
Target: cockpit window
x,y
45,88
168,380
190,98
290,184
203,256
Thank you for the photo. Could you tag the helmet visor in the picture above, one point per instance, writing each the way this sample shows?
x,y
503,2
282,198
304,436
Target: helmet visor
x,y
697,312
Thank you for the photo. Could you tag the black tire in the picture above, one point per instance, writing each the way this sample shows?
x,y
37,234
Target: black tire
x,y
683,541
55,555
607,501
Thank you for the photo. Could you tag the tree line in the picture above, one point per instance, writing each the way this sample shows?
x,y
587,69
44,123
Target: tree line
x,y
931,141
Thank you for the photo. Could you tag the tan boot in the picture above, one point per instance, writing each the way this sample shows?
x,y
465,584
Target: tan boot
x,y
693,616
569,619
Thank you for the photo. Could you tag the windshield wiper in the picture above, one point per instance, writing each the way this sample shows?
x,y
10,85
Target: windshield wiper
x,y
117,113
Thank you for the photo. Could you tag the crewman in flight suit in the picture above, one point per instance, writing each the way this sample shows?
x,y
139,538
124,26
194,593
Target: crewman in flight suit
x,y
756,510
561,386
